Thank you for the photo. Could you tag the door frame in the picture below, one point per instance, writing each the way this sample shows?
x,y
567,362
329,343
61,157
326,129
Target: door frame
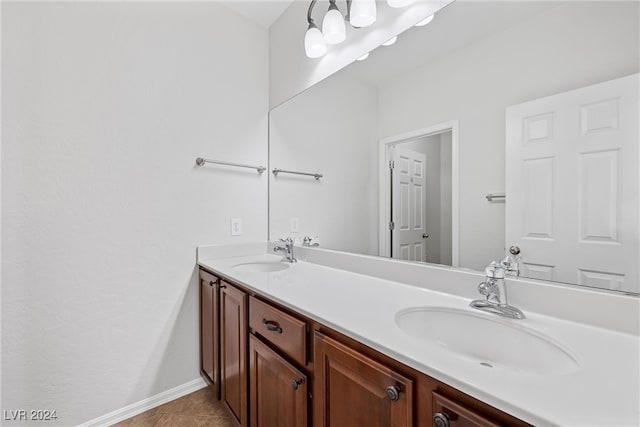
x,y
385,190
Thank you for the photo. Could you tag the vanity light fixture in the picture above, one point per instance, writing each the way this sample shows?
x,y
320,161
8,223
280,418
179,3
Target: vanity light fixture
x,y
425,21
399,3
362,13
390,41
333,28
314,44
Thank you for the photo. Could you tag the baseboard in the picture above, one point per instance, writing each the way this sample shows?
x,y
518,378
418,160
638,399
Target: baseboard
x,y
146,404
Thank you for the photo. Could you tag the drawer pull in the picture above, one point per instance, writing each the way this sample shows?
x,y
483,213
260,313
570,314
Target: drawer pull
x,y
296,383
272,326
441,419
393,393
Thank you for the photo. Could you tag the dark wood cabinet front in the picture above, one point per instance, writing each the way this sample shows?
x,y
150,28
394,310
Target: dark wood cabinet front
x,y
233,350
450,413
265,359
209,338
278,390
351,389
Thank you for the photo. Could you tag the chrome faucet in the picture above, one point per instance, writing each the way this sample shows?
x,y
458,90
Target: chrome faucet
x,y
511,262
287,249
495,293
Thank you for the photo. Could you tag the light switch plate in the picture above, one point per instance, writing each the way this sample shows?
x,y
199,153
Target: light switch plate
x,y
236,226
294,225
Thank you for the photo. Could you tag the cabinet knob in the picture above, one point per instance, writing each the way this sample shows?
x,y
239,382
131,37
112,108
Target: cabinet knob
x,y
221,286
393,392
211,283
441,419
296,383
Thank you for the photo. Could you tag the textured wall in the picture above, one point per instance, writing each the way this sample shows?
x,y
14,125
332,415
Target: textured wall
x,y
105,106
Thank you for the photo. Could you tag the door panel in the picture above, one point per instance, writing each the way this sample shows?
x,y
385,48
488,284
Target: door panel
x,y
572,185
278,390
409,204
233,349
350,389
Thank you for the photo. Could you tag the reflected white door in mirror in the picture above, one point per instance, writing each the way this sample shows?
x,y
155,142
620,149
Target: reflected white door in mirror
x,y
418,201
573,185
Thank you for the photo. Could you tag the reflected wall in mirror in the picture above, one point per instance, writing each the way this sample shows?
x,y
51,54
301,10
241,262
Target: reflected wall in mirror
x,y
472,63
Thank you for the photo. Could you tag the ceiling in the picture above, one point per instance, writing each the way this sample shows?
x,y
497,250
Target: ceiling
x,y
263,12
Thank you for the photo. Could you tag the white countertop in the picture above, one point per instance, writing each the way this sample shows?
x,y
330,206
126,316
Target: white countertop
x,y
603,391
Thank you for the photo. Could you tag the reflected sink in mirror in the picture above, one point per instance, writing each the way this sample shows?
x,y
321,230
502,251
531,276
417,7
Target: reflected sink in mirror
x,y
492,343
261,267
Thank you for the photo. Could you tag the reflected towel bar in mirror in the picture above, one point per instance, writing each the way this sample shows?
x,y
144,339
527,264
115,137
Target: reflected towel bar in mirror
x,y
200,162
317,176
491,196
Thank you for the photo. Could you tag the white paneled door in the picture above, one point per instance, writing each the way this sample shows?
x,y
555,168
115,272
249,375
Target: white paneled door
x,y
408,204
572,185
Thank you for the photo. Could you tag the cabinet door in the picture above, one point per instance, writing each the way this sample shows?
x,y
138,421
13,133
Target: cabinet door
x,y
278,390
209,338
233,350
351,389
449,413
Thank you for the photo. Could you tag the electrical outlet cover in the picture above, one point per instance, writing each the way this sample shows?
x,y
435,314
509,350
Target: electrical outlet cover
x,y
236,226
294,225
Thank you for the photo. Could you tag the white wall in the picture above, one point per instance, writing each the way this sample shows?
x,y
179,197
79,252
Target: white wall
x,y
105,106
291,72
313,133
475,84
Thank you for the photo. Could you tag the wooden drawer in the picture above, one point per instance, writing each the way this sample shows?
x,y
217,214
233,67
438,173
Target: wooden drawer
x,y
284,331
457,414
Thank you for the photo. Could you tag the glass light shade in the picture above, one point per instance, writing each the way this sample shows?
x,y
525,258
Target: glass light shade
x,y
390,41
399,3
314,45
333,28
363,57
362,13
425,21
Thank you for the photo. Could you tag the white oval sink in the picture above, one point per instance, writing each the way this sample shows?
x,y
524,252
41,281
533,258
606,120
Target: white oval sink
x,y
261,267
490,343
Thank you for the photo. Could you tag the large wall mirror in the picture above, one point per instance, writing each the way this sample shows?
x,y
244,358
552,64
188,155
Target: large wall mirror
x,y
498,124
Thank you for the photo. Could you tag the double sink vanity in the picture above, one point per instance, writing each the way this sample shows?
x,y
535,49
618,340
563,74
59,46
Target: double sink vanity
x,y
338,339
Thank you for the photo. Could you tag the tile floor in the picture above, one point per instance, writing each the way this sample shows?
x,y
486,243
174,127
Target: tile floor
x,y
198,409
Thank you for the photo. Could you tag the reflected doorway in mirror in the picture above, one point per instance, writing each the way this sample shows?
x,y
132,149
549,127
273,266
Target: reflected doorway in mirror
x,y
419,195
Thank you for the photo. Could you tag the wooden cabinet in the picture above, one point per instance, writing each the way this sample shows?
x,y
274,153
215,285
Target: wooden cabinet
x,y
261,357
233,350
209,337
351,389
450,413
284,331
278,389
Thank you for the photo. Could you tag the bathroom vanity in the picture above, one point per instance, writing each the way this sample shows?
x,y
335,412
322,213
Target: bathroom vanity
x,y
307,343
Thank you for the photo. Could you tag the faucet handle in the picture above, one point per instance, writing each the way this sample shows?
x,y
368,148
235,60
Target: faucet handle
x,y
485,288
494,270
